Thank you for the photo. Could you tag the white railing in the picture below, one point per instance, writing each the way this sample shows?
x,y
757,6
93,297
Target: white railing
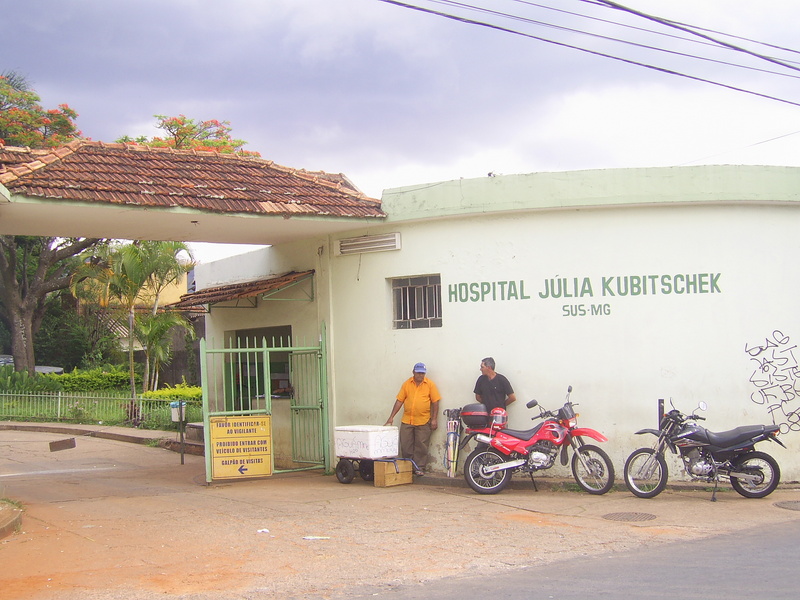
x,y
97,408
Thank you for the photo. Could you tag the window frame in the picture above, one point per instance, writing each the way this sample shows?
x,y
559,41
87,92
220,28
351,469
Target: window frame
x,y
416,301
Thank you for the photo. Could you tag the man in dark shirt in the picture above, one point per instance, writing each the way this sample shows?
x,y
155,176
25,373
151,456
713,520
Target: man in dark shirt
x,y
492,389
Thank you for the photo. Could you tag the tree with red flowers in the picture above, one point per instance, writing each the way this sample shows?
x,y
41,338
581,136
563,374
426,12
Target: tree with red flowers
x,y
23,121
184,133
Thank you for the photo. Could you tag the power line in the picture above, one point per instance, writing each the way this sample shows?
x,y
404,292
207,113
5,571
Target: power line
x,y
705,158
593,52
612,39
691,30
660,33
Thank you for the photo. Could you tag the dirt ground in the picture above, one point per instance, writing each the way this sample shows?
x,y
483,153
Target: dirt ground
x,y
108,520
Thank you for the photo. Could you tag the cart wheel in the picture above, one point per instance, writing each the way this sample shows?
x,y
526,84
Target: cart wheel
x,y
366,469
345,471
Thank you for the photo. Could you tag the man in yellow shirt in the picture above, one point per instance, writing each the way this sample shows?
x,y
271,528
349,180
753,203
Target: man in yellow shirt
x,y
419,398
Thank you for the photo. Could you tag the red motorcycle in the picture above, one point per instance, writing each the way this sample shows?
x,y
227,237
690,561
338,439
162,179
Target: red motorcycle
x,y
501,452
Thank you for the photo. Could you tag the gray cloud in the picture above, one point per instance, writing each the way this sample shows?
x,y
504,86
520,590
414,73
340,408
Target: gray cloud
x,y
381,93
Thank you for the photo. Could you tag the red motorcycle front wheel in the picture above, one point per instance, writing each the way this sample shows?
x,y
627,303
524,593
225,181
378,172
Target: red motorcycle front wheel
x,y
593,469
479,479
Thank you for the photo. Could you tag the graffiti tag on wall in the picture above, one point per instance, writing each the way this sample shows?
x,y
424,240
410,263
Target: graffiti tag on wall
x,y
777,379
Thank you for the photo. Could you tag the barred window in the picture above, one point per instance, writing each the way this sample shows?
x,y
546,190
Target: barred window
x,y
417,302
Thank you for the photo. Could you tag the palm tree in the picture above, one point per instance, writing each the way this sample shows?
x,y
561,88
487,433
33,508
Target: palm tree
x,y
152,331
165,267
130,275
16,80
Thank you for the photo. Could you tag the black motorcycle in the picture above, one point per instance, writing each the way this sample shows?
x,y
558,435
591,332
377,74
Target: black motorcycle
x,y
707,456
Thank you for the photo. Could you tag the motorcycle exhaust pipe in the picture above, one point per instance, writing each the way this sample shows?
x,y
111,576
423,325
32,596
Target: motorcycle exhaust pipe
x,y
512,464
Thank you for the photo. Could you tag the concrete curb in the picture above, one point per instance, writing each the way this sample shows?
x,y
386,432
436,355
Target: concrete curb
x,y
119,434
567,484
10,519
163,439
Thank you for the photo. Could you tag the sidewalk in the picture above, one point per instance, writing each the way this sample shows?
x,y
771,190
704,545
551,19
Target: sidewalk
x,y
125,521
170,440
11,516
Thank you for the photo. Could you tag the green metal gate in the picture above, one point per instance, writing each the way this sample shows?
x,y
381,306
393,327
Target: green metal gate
x,y
272,377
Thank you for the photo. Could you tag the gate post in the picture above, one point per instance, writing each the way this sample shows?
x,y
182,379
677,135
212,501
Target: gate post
x,y
323,373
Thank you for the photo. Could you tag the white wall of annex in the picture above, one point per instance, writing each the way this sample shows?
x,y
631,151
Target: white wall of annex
x,y
688,347
292,307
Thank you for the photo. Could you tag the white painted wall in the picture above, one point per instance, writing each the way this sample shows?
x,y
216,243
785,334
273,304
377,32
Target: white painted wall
x,y
688,347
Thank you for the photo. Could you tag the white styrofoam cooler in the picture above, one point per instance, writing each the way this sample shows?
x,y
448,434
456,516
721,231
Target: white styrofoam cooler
x,y
366,441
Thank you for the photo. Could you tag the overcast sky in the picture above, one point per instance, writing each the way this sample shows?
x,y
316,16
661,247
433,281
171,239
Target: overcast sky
x,y
395,97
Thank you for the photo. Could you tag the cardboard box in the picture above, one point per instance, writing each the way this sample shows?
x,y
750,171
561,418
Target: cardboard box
x,y
366,441
393,472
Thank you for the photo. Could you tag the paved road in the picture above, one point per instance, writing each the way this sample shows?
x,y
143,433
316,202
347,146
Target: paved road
x,y
753,563
109,520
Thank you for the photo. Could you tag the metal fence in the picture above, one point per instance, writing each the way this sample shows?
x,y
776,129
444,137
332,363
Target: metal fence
x,y
94,408
280,378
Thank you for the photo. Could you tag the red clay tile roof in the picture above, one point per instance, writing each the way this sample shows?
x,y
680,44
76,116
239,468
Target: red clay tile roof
x,y
235,291
128,174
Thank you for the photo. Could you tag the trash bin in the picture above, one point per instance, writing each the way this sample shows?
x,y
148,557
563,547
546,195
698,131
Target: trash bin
x,y
178,408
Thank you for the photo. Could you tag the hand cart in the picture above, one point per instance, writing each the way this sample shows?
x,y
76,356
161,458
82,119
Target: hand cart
x,y
348,466
359,446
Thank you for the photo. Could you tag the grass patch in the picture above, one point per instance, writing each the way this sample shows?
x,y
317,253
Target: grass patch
x,y
568,486
14,503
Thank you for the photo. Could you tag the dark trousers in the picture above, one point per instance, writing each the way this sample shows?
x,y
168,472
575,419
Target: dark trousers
x,y
414,440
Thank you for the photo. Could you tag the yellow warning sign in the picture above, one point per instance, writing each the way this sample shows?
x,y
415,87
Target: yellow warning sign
x,y
241,446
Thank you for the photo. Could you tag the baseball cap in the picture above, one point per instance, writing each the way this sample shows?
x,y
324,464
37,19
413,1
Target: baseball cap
x,y
420,368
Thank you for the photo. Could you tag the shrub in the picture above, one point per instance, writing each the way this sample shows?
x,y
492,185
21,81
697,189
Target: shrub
x,y
107,378
20,381
181,391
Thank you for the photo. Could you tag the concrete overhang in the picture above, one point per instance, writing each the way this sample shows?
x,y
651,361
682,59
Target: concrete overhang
x,y
20,215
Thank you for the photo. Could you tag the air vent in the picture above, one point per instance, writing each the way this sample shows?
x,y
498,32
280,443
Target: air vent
x,y
369,243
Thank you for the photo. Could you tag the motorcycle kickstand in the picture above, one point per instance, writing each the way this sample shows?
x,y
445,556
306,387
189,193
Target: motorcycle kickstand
x,y
533,481
714,493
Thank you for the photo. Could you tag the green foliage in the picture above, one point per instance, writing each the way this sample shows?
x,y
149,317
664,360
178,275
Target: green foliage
x,y
191,357
32,270
15,503
23,122
181,391
61,340
185,134
153,333
20,381
71,338
128,275
5,339
107,378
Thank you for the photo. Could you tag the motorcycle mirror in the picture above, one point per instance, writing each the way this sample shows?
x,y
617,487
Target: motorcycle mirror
x,y
702,405
532,403
569,389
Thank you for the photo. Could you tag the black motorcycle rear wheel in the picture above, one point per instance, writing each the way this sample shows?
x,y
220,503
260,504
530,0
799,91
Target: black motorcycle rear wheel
x,y
593,469
481,481
646,473
763,468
